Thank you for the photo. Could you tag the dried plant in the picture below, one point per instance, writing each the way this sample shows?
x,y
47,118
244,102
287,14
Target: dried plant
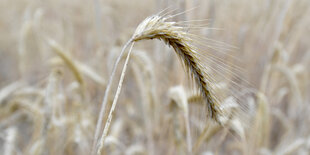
x,y
57,65
158,27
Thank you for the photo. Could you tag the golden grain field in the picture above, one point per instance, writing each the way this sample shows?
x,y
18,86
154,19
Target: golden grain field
x,y
155,77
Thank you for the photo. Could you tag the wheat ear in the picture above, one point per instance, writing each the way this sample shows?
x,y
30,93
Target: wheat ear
x,y
157,27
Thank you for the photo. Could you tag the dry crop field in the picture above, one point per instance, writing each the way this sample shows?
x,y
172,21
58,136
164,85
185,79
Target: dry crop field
x,y
134,77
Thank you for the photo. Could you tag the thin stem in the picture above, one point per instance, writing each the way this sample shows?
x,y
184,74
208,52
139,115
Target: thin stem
x,y
108,122
188,133
105,99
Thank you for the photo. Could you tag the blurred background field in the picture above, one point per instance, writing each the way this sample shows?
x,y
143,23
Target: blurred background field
x,y
56,57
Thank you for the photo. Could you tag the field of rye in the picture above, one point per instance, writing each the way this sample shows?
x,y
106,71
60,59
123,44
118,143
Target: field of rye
x,y
154,77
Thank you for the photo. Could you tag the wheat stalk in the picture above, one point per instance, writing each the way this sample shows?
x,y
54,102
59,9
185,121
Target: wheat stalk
x,y
68,61
105,100
157,27
178,96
